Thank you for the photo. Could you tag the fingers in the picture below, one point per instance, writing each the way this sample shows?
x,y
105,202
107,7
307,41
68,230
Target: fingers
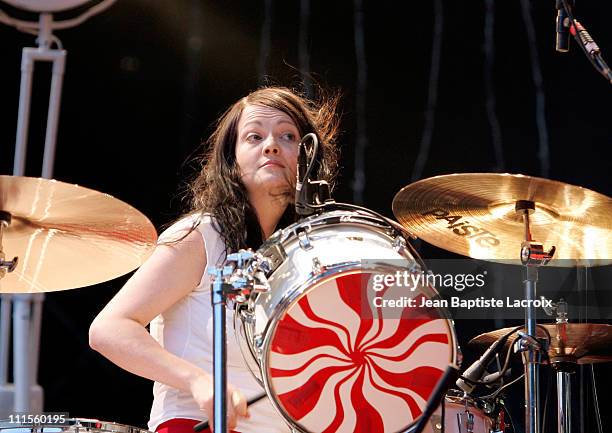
x,y
236,407
239,402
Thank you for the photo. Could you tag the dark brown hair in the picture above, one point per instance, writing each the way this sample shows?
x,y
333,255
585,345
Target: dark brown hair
x,y
218,190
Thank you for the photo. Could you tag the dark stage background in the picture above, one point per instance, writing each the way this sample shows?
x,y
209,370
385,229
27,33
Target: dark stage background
x,y
145,80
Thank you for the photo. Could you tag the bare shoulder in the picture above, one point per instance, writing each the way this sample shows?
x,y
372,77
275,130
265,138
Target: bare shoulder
x,y
172,272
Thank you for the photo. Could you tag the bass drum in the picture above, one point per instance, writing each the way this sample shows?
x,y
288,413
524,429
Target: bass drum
x,y
340,340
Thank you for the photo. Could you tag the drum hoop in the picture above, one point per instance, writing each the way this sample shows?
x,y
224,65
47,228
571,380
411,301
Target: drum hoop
x,y
321,220
292,295
74,424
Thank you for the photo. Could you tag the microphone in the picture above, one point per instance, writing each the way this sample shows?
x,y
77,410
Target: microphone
x,y
563,27
301,184
475,371
306,189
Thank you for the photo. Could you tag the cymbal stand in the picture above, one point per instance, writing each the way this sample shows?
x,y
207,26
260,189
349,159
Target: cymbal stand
x,y
564,369
232,282
532,257
27,308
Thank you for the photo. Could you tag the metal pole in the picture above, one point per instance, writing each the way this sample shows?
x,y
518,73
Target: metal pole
x,y
564,402
25,92
59,64
530,357
5,329
26,317
37,301
219,354
21,350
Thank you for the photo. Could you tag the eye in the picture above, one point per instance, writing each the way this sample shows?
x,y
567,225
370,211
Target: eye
x,y
253,137
289,136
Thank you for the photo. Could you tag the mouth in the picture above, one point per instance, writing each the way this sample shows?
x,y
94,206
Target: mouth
x,y
272,164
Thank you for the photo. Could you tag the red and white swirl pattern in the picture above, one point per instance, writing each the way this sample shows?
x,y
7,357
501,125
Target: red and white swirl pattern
x,y
339,364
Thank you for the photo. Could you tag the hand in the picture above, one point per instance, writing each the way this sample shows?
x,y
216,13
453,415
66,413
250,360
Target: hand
x,y
202,391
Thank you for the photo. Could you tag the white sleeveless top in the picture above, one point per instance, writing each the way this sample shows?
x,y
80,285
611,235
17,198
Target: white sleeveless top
x,y
185,329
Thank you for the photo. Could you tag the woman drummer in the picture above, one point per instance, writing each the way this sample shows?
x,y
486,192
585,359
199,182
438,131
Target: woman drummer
x,y
243,193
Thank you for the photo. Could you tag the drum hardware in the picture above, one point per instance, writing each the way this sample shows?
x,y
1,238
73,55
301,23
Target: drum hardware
x,y
5,265
468,423
570,344
310,195
317,267
580,343
399,243
304,240
240,275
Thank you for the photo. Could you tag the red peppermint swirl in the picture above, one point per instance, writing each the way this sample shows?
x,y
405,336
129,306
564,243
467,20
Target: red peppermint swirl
x,y
339,364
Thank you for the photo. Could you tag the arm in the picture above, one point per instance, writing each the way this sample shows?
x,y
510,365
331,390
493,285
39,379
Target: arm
x,y
119,333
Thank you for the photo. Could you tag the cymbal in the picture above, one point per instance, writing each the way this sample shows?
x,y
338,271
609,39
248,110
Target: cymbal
x,y
66,236
473,214
584,343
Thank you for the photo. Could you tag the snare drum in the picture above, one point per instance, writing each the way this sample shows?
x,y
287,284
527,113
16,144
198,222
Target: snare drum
x,y
70,425
332,355
464,414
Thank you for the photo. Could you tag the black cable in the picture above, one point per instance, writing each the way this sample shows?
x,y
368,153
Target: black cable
x,y
265,42
490,99
303,49
510,416
432,93
536,74
501,388
549,389
596,401
443,414
506,362
359,176
579,33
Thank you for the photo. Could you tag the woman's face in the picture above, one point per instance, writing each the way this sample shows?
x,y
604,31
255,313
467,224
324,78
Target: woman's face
x,y
266,149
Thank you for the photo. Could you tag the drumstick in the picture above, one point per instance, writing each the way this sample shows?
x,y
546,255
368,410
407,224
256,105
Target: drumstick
x,y
204,424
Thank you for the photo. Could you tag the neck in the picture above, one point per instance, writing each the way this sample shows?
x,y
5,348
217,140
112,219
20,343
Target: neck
x,y
269,209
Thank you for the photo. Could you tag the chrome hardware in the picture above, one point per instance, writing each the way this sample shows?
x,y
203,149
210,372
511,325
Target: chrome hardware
x,y
317,267
399,243
304,240
469,422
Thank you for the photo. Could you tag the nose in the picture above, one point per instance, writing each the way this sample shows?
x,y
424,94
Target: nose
x,y
271,147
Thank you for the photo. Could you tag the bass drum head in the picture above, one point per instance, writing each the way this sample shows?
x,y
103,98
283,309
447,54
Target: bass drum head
x,y
338,361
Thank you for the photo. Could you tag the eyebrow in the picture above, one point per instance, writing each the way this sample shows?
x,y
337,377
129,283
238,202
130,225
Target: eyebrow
x,y
258,123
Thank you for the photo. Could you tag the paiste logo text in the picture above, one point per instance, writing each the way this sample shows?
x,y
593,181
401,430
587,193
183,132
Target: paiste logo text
x,y
463,228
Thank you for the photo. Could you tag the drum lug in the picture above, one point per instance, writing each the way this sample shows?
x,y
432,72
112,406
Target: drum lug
x,y
258,343
399,243
247,316
304,240
469,421
317,267
436,423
